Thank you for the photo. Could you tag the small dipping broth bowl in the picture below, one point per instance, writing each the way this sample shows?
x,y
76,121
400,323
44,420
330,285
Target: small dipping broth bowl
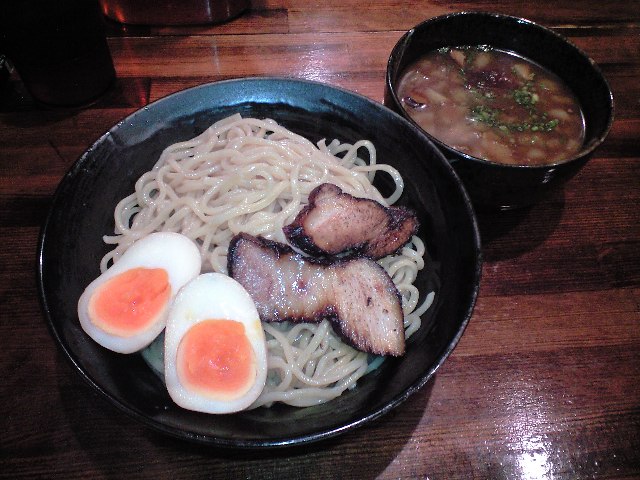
x,y
493,185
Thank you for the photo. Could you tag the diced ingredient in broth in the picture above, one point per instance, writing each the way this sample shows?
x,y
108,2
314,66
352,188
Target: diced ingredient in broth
x,y
493,104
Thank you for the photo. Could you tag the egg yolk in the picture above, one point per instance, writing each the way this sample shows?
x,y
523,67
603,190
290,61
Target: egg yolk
x,y
216,359
131,301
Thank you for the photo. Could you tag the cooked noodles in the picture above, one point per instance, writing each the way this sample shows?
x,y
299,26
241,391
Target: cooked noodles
x,y
254,176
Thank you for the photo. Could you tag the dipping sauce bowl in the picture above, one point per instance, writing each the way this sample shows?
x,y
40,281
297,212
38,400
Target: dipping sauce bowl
x,y
492,185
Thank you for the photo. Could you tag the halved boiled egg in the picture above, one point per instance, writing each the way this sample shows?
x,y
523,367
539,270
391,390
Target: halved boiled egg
x,y
215,354
126,307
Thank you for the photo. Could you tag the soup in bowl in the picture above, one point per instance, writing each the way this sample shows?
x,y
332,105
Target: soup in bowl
x,y
493,104
514,106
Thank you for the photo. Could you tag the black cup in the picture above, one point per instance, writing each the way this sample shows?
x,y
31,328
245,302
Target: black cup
x,y
59,49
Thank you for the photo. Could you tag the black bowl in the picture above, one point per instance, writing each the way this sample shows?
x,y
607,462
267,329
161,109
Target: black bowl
x,y
71,246
493,185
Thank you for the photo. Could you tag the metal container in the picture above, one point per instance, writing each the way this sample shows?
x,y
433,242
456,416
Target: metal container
x,y
173,12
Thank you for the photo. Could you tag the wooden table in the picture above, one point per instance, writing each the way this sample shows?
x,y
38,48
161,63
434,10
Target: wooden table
x,y
545,382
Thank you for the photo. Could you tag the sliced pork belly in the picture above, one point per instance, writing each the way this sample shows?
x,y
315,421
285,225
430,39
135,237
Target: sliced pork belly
x,y
335,222
356,294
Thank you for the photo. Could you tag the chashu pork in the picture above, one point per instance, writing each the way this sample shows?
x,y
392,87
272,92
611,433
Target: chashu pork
x,y
334,222
356,295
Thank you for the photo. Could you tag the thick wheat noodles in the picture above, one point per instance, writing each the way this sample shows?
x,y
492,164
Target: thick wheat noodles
x,y
254,176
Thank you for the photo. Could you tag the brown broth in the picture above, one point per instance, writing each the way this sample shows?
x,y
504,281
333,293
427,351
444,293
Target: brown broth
x,y
493,104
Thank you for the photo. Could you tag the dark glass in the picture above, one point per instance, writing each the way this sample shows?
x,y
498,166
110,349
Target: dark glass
x,y
59,49
173,12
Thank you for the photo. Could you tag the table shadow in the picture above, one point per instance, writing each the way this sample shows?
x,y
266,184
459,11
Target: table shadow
x,y
509,234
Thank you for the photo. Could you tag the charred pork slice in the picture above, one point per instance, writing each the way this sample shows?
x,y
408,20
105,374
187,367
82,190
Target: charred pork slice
x,y
357,294
335,222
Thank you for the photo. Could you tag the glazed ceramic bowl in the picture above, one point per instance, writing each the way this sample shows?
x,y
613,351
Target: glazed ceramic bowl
x,y
493,185
71,247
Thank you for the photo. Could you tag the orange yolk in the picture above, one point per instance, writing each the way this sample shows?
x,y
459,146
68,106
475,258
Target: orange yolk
x,y
215,358
131,301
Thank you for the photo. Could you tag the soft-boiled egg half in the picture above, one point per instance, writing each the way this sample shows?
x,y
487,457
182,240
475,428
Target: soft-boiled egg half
x,y
215,354
126,307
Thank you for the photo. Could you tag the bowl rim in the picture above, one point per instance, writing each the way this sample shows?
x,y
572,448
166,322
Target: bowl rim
x,y
231,443
585,151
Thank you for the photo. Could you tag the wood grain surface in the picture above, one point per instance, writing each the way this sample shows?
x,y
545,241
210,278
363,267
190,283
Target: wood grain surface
x,y
545,382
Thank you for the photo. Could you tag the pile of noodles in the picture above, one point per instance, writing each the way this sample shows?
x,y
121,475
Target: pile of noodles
x,y
254,176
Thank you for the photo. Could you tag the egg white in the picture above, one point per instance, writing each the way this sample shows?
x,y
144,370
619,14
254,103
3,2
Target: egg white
x,y
175,253
212,296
